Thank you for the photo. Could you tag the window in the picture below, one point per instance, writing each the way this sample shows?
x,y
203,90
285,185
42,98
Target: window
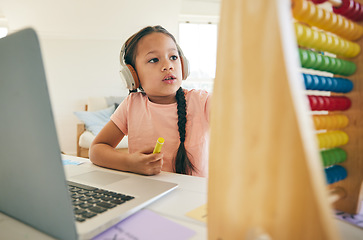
x,y
199,43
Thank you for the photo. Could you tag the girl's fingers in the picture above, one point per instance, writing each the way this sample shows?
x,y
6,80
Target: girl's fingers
x,y
157,163
155,157
147,150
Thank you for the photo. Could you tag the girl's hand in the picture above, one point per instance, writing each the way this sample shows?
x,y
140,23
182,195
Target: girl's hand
x,y
145,162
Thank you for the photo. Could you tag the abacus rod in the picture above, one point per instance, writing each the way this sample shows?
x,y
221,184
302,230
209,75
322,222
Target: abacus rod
x,y
336,3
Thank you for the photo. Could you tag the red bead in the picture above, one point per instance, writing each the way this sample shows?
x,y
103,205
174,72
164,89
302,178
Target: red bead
x,y
333,105
321,102
347,103
313,102
355,13
358,16
346,7
340,103
319,1
327,103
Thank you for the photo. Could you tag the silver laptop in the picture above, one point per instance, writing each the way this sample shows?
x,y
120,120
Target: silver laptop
x,y
33,186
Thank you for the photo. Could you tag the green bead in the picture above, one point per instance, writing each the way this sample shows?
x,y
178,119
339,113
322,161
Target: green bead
x,y
332,65
319,62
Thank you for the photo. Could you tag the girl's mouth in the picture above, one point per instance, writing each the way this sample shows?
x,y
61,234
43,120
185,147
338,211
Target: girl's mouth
x,y
169,79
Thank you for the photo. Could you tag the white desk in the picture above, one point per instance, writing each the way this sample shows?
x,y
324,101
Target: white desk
x,y
191,193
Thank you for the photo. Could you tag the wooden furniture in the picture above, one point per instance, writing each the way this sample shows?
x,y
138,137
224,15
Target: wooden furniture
x,y
81,152
266,177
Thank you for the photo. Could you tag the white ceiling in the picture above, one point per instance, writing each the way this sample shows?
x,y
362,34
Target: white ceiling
x,y
90,18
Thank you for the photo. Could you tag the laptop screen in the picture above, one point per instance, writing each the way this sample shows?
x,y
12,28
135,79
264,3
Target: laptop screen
x,y
32,181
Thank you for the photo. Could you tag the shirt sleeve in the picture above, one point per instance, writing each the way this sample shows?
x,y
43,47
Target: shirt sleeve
x,y
205,103
208,106
119,117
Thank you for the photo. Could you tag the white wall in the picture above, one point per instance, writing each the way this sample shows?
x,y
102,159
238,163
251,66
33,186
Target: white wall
x,y
80,42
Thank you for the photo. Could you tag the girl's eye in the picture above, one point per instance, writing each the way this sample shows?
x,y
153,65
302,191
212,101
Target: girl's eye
x,y
174,57
154,60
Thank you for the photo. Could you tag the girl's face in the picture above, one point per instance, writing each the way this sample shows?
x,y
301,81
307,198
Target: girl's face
x,y
158,67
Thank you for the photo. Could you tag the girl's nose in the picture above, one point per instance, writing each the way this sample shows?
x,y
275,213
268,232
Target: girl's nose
x,y
167,66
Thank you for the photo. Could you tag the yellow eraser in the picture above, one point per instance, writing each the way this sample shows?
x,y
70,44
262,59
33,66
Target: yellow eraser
x,y
159,144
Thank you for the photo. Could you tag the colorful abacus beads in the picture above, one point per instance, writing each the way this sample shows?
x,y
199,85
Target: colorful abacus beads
x,y
311,38
307,12
313,60
332,139
319,1
350,9
329,103
331,84
333,156
330,121
335,173
347,8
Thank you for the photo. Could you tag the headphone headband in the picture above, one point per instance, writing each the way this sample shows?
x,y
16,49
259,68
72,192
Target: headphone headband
x,y
129,74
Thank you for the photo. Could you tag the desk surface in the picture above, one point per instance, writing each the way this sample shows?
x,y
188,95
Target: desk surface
x,y
191,193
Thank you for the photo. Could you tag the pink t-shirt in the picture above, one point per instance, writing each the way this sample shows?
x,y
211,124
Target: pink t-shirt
x,y
144,122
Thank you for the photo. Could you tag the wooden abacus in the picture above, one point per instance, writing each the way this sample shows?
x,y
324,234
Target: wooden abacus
x,y
268,155
338,39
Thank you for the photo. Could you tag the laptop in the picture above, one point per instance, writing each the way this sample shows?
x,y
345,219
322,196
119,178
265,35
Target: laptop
x,y
33,185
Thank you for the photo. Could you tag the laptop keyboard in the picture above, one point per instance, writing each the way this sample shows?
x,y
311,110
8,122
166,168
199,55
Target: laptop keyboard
x,y
89,201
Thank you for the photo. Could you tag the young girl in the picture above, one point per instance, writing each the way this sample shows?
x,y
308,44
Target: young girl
x,y
161,108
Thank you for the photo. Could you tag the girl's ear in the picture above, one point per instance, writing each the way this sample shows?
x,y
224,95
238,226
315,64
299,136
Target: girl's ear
x,y
184,63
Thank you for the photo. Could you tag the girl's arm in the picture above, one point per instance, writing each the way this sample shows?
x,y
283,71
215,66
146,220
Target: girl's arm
x,y
103,153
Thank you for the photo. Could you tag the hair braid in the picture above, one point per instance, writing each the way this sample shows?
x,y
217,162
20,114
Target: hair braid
x,y
182,163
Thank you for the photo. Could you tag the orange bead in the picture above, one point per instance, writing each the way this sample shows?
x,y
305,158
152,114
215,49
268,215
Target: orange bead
x,y
325,122
320,16
329,123
332,22
335,120
317,122
349,29
299,9
339,30
344,121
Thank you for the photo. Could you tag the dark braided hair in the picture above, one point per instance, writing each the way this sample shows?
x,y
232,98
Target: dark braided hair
x,y
182,164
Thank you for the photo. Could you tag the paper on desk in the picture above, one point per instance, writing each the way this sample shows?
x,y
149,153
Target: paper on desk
x,y
71,162
356,219
146,225
200,213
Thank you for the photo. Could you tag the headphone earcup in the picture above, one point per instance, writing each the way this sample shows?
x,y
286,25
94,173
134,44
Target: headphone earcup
x,y
130,76
185,67
135,77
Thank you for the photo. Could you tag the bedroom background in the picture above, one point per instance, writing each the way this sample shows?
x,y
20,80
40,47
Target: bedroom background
x,y
81,40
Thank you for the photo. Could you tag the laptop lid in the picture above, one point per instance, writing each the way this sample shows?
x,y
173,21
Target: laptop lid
x,y
32,183
32,179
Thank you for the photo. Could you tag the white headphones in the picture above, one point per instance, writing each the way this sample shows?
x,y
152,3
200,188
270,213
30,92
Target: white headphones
x,y
128,73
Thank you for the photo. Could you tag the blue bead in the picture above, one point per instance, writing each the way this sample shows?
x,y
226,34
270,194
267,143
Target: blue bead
x,y
329,83
322,84
308,81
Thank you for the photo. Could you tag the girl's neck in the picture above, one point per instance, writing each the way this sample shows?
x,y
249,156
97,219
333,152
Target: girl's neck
x,y
162,100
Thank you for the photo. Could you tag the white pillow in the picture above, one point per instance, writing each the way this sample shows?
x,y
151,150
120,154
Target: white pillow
x,y
87,138
95,121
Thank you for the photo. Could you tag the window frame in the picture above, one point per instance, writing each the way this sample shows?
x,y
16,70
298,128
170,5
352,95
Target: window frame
x,y
199,19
